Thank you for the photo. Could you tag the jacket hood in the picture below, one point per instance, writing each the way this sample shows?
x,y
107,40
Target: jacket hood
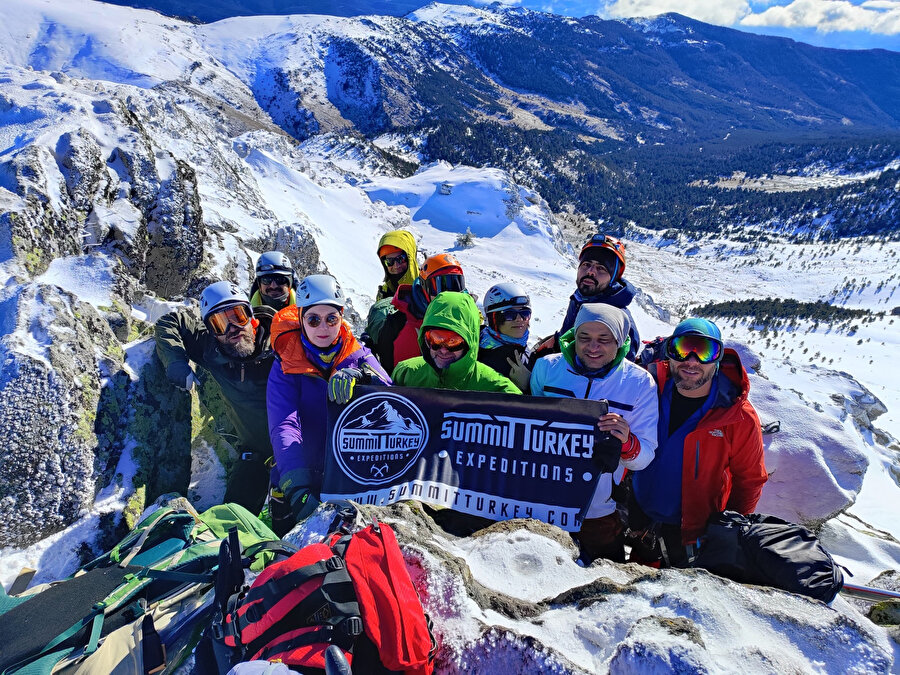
x,y
288,347
457,312
406,243
618,294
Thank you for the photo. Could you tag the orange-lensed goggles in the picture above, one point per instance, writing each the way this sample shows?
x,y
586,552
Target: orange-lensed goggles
x,y
438,338
238,315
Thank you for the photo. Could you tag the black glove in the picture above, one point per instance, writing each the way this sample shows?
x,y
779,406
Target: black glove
x,y
303,502
607,452
297,487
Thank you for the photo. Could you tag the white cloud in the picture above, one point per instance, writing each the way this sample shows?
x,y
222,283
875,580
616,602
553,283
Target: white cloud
x,y
826,16
720,12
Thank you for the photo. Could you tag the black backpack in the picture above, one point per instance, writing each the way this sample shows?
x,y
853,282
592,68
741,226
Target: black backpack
x,y
768,551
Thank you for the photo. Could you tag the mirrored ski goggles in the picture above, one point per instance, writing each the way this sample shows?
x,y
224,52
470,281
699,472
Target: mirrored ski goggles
x,y
313,320
237,315
445,282
705,349
438,338
397,259
513,314
269,279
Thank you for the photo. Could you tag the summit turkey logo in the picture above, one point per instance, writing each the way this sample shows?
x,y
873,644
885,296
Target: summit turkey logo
x,y
378,437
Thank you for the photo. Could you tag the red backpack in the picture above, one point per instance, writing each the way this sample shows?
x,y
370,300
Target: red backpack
x,y
353,589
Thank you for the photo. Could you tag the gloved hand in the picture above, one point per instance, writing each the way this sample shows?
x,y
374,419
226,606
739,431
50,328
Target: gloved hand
x,y
302,502
341,384
298,487
181,375
190,382
607,451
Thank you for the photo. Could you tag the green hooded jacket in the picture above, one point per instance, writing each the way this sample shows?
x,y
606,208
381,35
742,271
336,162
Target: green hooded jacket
x,y
182,337
456,312
406,243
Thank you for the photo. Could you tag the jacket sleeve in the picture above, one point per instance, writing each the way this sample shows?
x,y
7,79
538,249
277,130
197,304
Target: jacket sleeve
x,y
539,377
374,367
634,335
283,402
746,462
643,420
400,374
180,337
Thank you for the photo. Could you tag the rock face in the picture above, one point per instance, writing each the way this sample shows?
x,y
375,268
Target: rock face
x,y
511,599
55,350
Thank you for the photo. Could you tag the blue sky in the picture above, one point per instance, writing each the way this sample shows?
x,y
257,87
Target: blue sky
x,y
847,24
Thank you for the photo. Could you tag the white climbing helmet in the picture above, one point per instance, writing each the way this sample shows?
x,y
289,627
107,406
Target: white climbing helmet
x,y
505,295
221,295
320,289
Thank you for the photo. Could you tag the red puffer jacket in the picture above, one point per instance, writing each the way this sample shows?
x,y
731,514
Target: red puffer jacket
x,y
724,464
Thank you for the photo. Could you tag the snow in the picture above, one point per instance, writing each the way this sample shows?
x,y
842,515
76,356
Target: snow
x,y
90,277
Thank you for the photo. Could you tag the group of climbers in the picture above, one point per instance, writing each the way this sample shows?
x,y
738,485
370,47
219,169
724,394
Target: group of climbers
x,y
683,426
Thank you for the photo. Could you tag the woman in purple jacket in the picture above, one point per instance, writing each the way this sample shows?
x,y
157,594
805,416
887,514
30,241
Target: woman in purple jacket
x,y
317,356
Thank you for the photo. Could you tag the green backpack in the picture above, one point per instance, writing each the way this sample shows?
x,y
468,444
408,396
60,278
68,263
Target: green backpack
x,y
378,314
141,607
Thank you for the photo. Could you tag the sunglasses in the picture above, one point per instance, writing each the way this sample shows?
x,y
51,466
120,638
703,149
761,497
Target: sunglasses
x,y
438,338
391,260
445,282
238,315
269,279
705,349
513,314
313,320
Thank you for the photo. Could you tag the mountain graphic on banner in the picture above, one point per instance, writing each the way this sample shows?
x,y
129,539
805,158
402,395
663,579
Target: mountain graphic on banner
x,y
385,417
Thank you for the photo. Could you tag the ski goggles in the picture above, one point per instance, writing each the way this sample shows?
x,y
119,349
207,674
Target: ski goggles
x,y
237,315
707,350
396,259
269,279
313,320
513,314
444,282
441,338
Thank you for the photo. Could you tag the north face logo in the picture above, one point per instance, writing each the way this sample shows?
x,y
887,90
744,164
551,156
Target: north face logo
x,y
321,615
718,433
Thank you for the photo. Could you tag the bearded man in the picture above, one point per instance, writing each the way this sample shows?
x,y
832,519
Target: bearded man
x,y
709,454
598,278
231,341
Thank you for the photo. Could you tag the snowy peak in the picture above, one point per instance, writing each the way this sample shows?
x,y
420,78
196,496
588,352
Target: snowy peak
x,y
384,417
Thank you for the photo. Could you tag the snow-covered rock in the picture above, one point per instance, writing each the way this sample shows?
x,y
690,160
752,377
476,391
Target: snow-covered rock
x,y
54,352
511,599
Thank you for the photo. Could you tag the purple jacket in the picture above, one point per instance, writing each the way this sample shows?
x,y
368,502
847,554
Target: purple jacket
x,y
297,413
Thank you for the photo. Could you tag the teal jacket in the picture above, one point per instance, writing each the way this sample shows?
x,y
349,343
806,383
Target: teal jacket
x,y
456,312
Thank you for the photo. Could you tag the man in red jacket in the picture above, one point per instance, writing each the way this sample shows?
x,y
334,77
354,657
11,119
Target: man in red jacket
x,y
710,451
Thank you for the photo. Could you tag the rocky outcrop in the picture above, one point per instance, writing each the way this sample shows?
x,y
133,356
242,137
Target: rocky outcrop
x,y
41,227
511,599
175,234
55,351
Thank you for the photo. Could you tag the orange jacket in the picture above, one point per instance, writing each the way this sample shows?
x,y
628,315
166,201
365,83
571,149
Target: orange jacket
x,y
723,464
287,345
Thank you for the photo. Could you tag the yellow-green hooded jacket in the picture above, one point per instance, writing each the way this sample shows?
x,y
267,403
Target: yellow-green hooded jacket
x,y
406,243
456,312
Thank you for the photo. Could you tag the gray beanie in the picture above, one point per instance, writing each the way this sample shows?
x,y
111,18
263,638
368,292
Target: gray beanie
x,y
611,317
